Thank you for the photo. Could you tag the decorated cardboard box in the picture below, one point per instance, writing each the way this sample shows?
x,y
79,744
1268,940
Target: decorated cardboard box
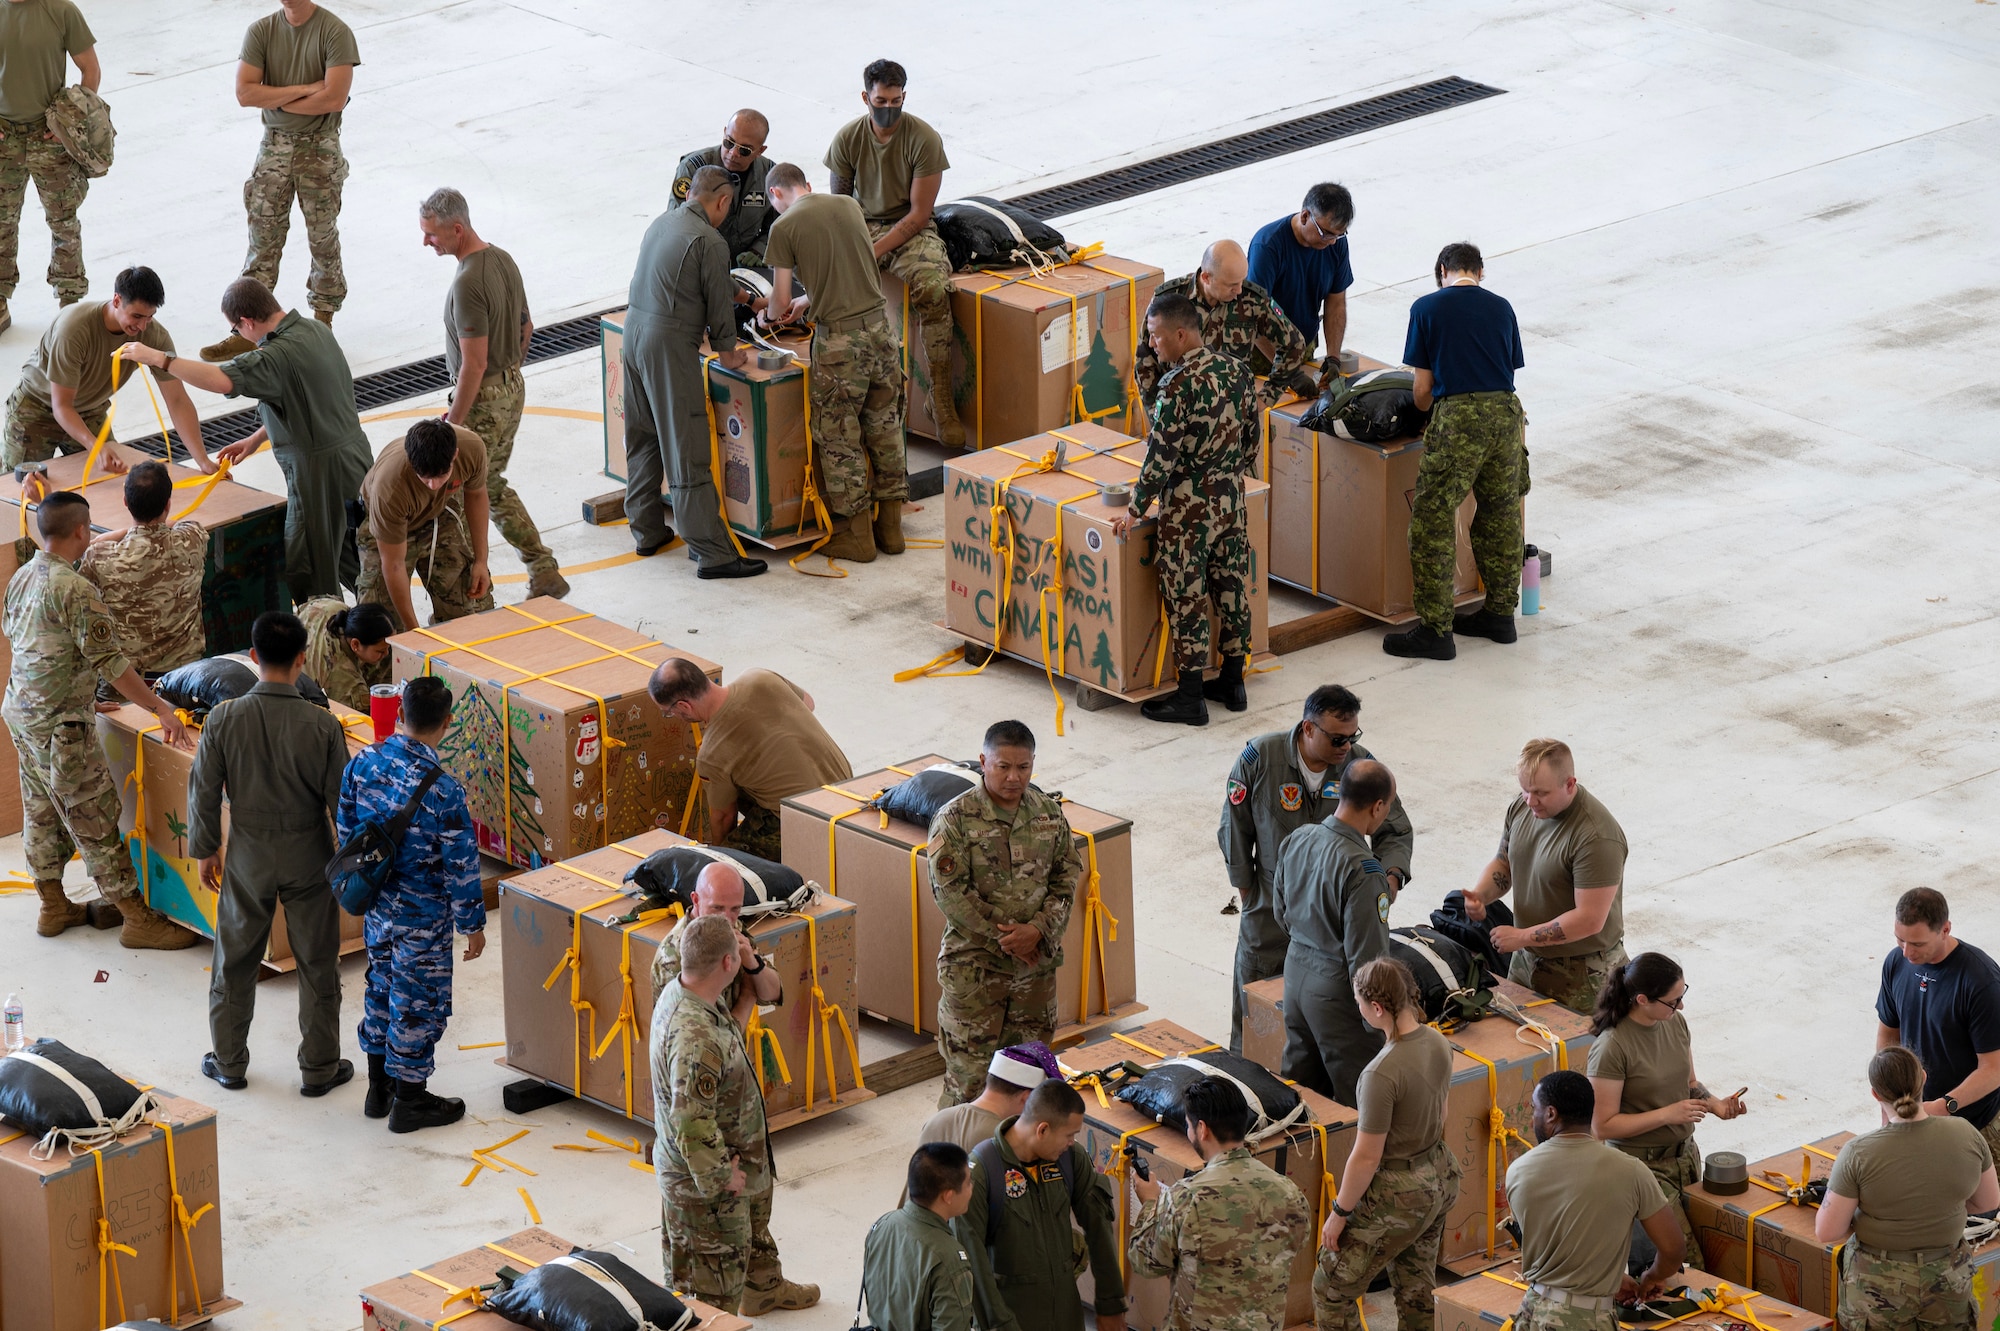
x,y
879,863
1492,1298
552,733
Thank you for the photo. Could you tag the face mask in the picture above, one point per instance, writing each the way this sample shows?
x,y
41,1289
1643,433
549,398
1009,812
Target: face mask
x,y
885,117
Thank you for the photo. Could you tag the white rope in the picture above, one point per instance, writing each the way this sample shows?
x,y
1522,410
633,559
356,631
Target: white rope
x,y
1270,1127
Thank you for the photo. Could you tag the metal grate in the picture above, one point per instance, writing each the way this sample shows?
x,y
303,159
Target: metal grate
x,y
1255,146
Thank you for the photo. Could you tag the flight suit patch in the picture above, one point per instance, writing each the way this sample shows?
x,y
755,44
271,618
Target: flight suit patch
x,y
1017,1184
681,187
1238,792
1382,906
1291,796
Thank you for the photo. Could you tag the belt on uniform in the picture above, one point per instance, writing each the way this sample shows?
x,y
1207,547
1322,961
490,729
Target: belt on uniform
x,y
1595,1303
1501,395
1913,1257
1400,1162
1662,1152
30,123
850,324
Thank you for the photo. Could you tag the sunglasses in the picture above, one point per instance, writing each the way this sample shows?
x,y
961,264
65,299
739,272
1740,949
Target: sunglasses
x,y
1676,1005
1338,741
730,145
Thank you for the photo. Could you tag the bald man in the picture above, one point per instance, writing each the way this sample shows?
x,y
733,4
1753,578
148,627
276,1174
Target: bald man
x,y
719,891
1240,318
747,227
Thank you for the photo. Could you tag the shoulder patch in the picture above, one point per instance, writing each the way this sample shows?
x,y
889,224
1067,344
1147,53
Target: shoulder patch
x,y
1017,1184
706,1083
681,185
1291,796
1382,906
1238,792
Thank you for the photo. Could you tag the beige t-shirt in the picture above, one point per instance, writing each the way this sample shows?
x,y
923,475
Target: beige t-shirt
x,y
824,239
1656,1063
882,172
399,501
1402,1092
1581,847
36,36
486,300
1912,1181
964,1125
75,351
292,57
1576,1199
765,745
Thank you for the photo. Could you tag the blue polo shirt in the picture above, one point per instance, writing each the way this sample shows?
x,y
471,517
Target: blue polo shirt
x,y
1467,338
1298,278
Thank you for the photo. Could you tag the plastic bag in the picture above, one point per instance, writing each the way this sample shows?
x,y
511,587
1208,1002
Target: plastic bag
x,y
589,1291
982,232
201,686
1373,407
667,877
922,797
1452,978
51,1089
1160,1091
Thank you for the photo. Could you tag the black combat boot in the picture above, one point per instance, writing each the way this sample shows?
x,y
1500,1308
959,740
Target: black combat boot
x,y
1484,623
1227,688
1421,640
1184,705
381,1088
415,1108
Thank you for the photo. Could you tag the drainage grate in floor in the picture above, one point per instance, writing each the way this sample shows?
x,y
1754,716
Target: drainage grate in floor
x,y
1255,146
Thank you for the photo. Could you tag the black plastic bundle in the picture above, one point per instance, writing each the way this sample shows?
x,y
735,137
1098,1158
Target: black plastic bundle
x,y
1372,407
589,1291
1160,1091
984,233
667,877
920,798
49,1088
201,686
1453,978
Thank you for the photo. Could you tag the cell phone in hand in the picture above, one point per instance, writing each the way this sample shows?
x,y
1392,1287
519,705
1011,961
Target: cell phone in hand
x,y
1139,1165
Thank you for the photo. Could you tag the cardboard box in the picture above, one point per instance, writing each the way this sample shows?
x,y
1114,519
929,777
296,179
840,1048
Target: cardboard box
x,y
245,575
551,1040
1111,620
50,1267
552,734
1018,357
1264,1023
1295,1153
1484,1302
1790,1263
413,1303
879,865
610,359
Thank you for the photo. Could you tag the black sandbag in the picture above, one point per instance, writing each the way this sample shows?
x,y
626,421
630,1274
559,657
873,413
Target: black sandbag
x,y
308,687
1161,1092
1372,407
974,236
920,798
1452,978
589,1291
667,877
1451,920
200,686
50,1089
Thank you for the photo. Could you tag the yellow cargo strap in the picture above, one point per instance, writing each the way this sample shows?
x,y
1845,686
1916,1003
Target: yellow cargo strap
x,y
184,1222
108,1249
916,945
1793,1193
820,1019
627,1022
1121,1165
1098,921
1497,1135
715,454
572,959
809,498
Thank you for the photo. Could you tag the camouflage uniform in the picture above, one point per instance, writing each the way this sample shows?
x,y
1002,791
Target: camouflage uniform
x,y
62,640
1571,981
757,831
990,868
667,969
925,268
34,434
1195,460
306,164
1235,327
1220,1233
1473,444
857,405
434,887
1544,1314
28,151
150,577
439,552
496,417
1677,1167
1399,1224
1888,1291
331,662
709,1114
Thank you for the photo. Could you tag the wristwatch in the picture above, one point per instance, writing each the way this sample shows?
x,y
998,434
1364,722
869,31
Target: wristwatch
x,y
762,966
1950,1105
1339,1210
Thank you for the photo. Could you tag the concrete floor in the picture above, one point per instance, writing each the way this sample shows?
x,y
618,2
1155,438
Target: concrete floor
x,y
1748,242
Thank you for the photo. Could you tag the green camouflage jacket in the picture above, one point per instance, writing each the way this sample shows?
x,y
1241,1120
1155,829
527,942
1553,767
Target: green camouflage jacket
x,y
1226,1234
63,640
1235,326
1198,448
989,869
707,1108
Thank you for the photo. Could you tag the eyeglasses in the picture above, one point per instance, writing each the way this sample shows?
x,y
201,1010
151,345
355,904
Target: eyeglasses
x,y
1676,1005
1324,234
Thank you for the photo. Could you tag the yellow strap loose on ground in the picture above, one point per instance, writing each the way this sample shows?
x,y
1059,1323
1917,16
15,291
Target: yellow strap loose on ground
x,y
534,1216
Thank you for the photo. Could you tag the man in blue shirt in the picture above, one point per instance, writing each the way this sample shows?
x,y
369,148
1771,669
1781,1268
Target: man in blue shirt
x,y
1302,261
1464,345
1940,998
408,930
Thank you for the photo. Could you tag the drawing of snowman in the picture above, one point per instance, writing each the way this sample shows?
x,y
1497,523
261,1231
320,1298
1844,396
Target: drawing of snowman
x,y
587,742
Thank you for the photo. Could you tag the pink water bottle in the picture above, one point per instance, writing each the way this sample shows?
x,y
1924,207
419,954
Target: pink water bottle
x,y
1531,581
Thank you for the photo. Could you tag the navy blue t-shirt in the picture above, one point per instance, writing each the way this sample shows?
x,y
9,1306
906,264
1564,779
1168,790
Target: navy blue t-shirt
x,y
1948,1014
1298,278
1467,338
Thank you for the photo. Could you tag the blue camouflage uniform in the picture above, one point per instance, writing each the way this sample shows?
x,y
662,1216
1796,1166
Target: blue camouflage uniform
x,y
435,888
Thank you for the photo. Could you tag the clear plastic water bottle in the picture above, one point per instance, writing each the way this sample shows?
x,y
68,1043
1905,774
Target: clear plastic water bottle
x,y
1531,581
17,1026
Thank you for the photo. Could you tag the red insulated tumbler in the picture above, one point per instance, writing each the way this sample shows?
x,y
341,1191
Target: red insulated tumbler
x,y
385,704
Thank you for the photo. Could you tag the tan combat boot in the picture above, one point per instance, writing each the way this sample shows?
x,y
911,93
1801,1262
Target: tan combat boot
x,y
147,928
889,526
229,348
943,410
58,911
856,543
548,582
324,316
787,1295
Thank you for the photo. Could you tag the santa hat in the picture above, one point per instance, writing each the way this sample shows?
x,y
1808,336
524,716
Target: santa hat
x,y
1024,1065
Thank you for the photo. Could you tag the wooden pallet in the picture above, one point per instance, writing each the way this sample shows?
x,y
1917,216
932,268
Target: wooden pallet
x,y
1074,1033
1369,616
609,508
791,1118
1089,697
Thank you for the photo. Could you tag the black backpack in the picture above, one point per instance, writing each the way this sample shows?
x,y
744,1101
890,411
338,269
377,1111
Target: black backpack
x,y
1451,977
360,868
1372,407
987,1153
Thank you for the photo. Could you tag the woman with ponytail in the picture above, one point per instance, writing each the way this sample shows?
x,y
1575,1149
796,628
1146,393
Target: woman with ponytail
x,y
1642,1069
347,647
1903,1192
1400,1177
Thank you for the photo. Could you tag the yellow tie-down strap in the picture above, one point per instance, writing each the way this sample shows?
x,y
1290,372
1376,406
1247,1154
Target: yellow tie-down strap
x,y
184,1222
715,455
1497,1135
572,959
627,1024
1100,929
1121,1165
1791,1193
108,1249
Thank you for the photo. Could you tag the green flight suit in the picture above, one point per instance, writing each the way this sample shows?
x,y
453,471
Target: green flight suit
x,y
916,1273
1333,897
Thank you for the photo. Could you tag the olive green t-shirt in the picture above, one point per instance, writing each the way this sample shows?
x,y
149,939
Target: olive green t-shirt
x,y
486,300
882,172
1576,1199
75,351
1402,1092
399,501
1912,1181
823,239
1550,858
1656,1063
291,57
765,745
36,36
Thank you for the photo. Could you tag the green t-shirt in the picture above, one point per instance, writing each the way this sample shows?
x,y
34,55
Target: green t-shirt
x,y
291,57
1550,858
824,240
35,37
1576,1199
75,351
1656,1063
486,300
882,172
1402,1091
1912,1181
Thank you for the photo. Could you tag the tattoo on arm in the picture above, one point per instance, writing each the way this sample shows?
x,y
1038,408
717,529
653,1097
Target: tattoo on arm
x,y
1697,1091
1503,877
1552,932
